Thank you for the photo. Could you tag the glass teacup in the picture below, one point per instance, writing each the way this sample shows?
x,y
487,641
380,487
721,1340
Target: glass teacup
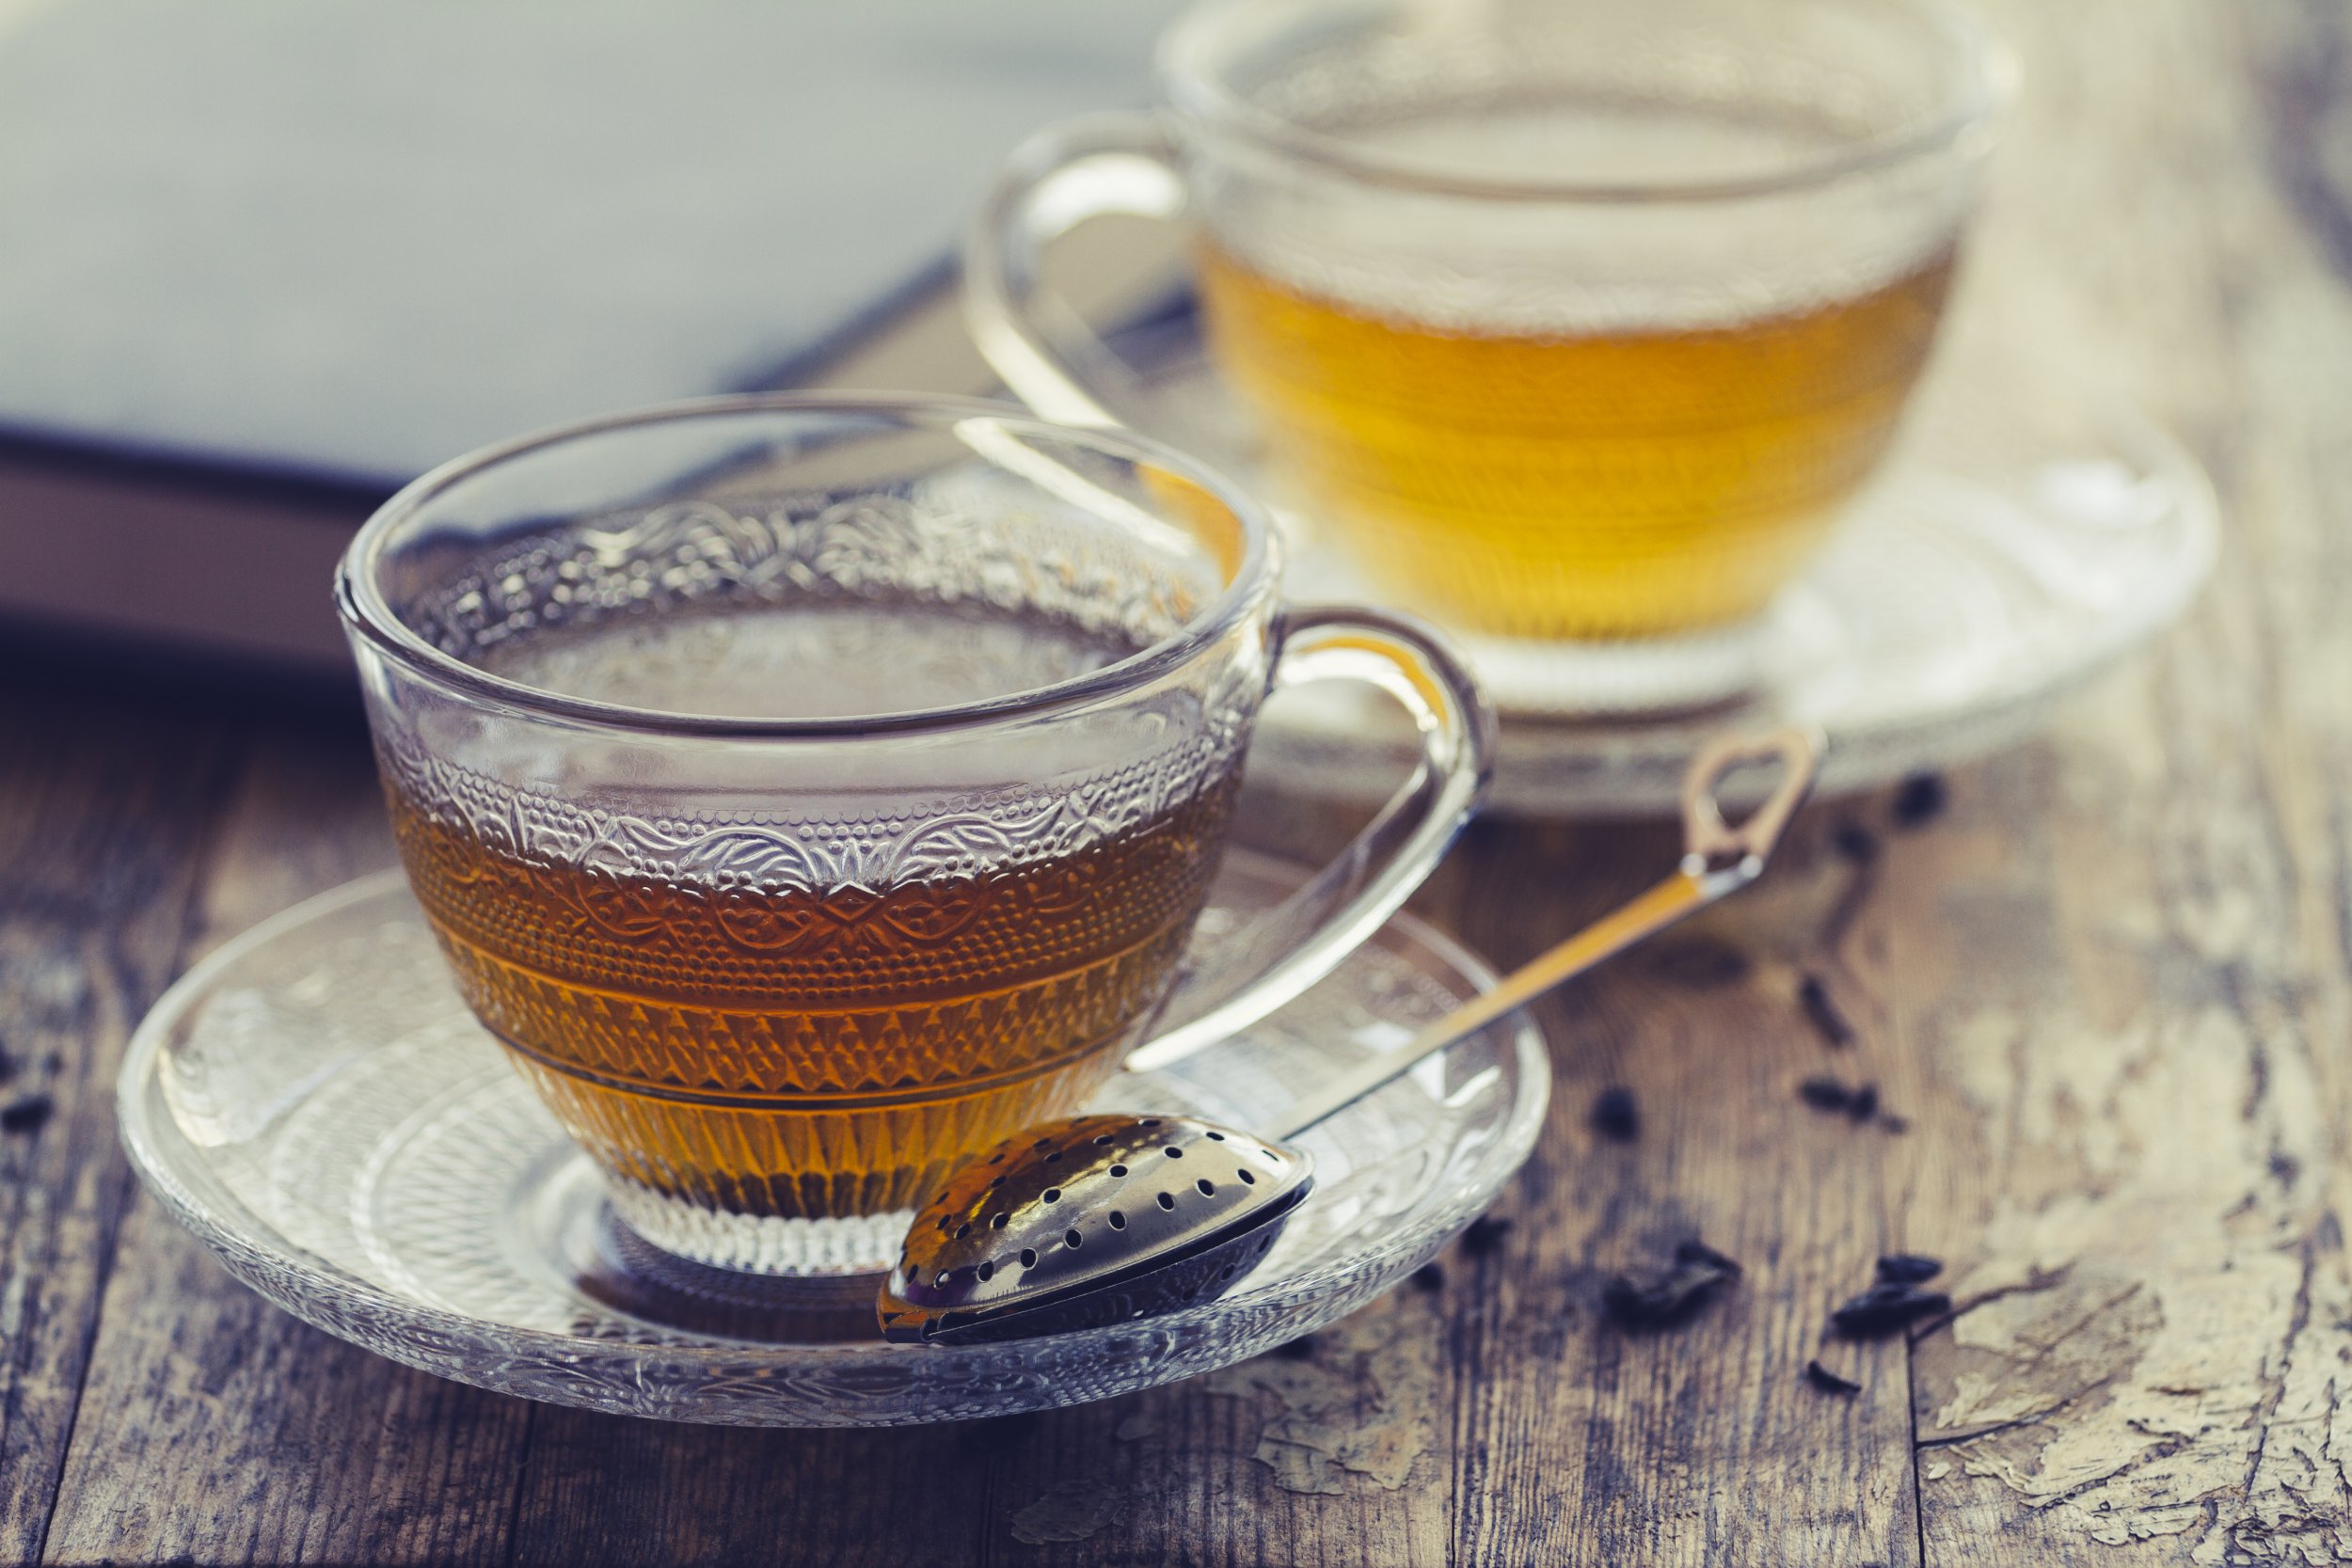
x,y
811,792
1570,322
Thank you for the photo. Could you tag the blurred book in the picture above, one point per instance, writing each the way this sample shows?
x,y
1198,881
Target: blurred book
x,y
264,262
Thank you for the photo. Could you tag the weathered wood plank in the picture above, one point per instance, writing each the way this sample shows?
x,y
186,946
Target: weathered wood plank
x,y
1580,1440
1334,1453
2155,1292
103,808
606,1489
218,1430
214,1428
2124,973
2108,987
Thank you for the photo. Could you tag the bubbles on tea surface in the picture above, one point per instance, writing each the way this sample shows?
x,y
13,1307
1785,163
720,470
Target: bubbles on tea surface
x,y
1617,142
916,570
808,660
1567,268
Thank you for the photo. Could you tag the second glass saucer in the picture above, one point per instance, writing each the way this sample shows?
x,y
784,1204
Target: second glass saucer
x,y
2025,533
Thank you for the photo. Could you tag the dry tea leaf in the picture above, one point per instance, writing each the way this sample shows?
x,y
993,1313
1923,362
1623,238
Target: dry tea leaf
x,y
1701,963
1667,1299
1888,1308
1920,799
1855,842
1615,1116
1822,1010
1829,1382
1485,1235
1824,1093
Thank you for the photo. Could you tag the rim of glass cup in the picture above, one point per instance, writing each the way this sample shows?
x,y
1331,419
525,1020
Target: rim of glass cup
x,y
1987,80
363,606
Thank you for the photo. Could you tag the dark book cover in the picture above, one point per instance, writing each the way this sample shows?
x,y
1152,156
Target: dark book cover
x,y
263,262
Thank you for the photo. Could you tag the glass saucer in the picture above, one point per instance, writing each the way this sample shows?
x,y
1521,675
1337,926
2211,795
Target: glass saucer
x,y
2024,535
317,1105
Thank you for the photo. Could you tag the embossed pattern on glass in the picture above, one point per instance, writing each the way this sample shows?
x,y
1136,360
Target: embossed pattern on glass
x,y
811,794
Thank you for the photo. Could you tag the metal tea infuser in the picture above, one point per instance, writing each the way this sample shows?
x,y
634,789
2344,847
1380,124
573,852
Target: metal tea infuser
x,y
1100,1219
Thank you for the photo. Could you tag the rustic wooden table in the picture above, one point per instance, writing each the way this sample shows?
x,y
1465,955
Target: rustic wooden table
x,y
2106,985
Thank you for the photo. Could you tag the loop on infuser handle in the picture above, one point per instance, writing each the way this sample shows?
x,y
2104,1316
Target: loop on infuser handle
x,y
1711,843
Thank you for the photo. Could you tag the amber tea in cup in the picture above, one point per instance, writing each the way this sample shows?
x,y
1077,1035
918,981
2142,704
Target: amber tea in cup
x,y
808,794
979,984
1570,320
1547,478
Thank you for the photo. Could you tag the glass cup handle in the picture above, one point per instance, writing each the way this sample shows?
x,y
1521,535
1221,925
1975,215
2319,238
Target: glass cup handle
x,y
1063,175
1248,975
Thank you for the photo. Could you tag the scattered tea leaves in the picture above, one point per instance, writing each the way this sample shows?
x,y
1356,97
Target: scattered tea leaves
x,y
1889,1122
1485,1235
1920,799
1701,963
1824,1093
1615,1116
1821,1009
1908,1268
1855,842
1857,1102
26,1113
1829,1382
1663,1300
1888,1308
1430,1276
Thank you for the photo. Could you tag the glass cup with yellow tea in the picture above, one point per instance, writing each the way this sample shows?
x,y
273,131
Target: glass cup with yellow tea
x,y
1577,322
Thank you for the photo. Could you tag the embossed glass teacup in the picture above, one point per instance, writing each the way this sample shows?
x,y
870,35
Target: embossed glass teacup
x,y
811,792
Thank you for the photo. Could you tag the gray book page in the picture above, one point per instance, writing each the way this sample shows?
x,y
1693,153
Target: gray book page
x,y
358,237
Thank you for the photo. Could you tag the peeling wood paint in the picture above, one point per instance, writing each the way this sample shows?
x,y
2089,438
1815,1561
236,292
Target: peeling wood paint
x,y
2155,1342
1365,1405
1070,1511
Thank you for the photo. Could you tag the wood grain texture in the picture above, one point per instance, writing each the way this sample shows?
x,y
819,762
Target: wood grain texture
x,y
1701,1443
105,815
2122,973
2108,988
609,1489
214,1428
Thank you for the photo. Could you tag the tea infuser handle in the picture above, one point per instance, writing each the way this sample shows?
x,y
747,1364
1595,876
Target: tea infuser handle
x,y
1717,859
1056,180
1248,975
1712,843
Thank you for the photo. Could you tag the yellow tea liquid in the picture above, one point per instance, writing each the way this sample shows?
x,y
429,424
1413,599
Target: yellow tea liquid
x,y
1625,482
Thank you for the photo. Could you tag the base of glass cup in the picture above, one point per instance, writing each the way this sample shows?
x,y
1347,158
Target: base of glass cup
x,y
1630,676
761,1243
